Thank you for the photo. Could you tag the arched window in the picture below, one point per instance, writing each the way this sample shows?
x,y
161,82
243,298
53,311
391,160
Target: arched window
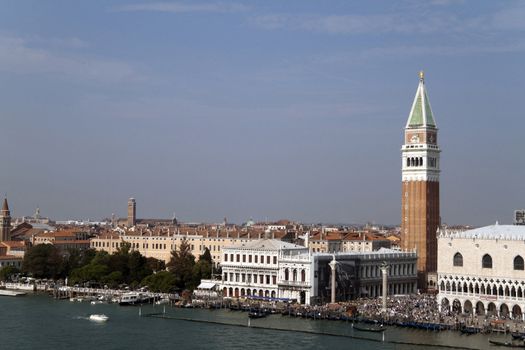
x,y
286,275
486,262
421,161
417,161
458,259
408,161
518,263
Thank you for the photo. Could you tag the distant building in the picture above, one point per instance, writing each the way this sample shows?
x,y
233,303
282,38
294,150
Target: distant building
x,y
5,222
132,212
482,271
63,239
519,217
420,187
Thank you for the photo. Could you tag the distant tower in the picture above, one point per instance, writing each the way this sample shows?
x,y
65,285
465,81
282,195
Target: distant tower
x,y
5,222
132,212
420,190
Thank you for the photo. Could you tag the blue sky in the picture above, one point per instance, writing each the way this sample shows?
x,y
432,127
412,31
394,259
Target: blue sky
x,y
263,109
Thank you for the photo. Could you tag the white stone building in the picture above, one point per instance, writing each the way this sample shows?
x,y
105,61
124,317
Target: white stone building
x,y
482,271
252,268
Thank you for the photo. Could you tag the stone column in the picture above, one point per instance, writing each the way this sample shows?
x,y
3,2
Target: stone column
x,y
384,271
333,264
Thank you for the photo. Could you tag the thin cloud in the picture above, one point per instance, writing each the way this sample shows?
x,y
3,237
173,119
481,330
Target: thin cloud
x,y
179,7
18,56
355,24
407,22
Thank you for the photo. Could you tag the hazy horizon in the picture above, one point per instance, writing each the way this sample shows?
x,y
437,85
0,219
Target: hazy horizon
x,y
260,109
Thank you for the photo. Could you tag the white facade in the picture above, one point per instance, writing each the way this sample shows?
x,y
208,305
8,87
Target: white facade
x,y
295,275
482,270
252,268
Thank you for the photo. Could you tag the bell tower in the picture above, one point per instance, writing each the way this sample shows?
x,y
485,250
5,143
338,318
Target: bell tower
x,y
420,185
5,222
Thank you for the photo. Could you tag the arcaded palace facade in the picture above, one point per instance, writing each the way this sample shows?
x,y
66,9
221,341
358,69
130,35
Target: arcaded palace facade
x,y
482,271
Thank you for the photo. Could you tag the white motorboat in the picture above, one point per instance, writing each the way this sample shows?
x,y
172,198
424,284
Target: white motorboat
x,y
98,318
162,301
11,293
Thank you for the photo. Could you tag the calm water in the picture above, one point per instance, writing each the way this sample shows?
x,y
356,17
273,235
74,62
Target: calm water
x,y
40,322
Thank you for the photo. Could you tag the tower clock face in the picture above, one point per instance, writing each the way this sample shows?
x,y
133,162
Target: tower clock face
x,y
414,138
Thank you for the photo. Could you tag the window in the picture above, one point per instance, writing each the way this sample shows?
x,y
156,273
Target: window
x,y
256,258
249,258
518,263
225,257
238,257
275,260
486,262
458,259
244,258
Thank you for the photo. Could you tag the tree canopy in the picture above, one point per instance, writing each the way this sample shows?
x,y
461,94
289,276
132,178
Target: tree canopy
x,y
43,261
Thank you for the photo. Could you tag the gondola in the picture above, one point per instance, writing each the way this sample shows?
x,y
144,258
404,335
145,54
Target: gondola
x,y
518,335
507,344
469,330
376,329
256,314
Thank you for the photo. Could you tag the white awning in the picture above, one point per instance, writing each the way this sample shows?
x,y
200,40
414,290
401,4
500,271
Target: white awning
x,y
206,285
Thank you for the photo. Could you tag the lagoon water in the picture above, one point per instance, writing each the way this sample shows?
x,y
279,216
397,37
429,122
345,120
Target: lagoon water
x,y
40,322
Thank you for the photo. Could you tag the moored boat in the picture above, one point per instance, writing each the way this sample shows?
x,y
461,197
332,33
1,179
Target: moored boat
x,y
11,293
256,314
379,328
508,344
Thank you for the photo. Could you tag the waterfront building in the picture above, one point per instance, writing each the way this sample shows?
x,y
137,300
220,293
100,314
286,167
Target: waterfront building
x,y
132,212
5,222
482,271
295,275
159,242
420,186
252,268
274,269
358,274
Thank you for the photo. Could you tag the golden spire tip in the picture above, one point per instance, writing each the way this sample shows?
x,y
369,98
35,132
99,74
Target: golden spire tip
x,y
421,75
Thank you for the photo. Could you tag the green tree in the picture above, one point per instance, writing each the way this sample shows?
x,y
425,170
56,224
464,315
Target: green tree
x,y
7,272
162,281
155,264
113,279
138,267
43,261
93,272
181,266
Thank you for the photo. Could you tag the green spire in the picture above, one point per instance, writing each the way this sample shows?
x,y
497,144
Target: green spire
x,y
421,113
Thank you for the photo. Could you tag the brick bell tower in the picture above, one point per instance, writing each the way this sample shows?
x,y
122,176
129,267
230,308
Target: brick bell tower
x,y
420,190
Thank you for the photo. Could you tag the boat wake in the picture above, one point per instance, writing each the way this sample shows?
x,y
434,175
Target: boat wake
x,y
81,318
